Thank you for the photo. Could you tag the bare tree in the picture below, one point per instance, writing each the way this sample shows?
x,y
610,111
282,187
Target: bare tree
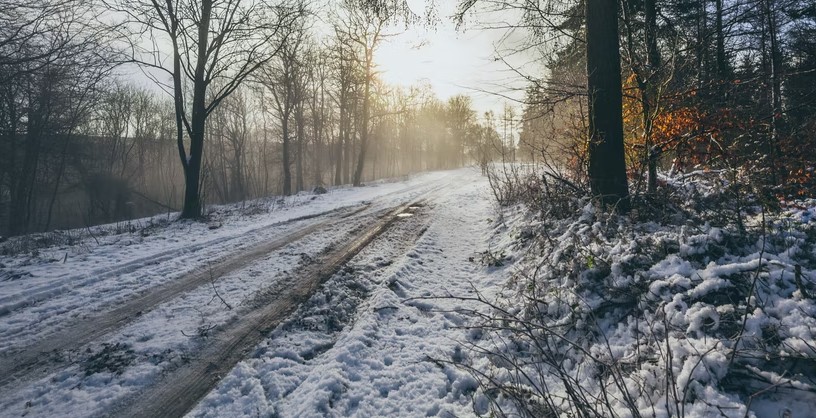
x,y
362,30
281,78
207,43
53,64
460,117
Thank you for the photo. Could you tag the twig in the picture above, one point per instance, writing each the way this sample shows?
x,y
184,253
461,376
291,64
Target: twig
x,y
212,283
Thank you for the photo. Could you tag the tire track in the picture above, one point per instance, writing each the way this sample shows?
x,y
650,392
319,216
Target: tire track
x,y
35,360
181,389
38,295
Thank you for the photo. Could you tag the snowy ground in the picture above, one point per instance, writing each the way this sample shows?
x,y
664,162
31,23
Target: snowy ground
x,y
367,343
675,311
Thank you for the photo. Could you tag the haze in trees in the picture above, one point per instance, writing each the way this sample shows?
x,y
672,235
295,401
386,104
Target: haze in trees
x,y
276,97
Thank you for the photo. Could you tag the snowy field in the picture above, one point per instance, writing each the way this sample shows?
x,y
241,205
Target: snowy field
x,y
365,344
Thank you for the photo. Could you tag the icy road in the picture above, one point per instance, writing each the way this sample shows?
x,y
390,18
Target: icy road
x,y
305,306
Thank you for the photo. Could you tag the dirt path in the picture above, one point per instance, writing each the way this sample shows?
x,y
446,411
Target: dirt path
x,y
42,357
181,389
41,294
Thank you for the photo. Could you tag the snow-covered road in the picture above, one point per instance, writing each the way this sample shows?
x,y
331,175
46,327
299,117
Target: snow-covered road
x,y
96,327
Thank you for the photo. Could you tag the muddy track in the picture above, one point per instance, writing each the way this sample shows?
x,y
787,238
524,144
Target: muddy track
x,y
37,295
35,360
40,294
180,390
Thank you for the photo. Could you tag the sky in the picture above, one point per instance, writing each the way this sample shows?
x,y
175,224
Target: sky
x,y
453,61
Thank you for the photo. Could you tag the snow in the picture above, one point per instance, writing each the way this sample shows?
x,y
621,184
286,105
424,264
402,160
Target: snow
x,y
95,276
379,364
363,345
459,308
654,314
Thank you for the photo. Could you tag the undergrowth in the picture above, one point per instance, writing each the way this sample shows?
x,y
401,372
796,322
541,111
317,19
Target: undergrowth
x,y
697,303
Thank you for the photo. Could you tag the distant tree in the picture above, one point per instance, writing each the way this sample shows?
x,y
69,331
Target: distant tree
x,y
54,64
281,78
460,116
363,32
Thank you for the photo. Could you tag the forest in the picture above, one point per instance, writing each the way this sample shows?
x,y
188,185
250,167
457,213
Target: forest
x,y
217,208
295,101
283,101
704,85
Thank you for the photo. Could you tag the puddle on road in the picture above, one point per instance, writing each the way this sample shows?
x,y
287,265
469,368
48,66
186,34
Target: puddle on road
x,y
411,210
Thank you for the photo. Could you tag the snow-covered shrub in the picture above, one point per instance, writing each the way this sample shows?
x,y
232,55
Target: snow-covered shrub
x,y
678,310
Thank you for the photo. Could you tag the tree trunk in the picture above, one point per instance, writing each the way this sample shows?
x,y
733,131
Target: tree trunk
x,y
287,173
722,63
648,92
192,171
338,160
348,143
299,147
358,172
607,167
774,66
652,53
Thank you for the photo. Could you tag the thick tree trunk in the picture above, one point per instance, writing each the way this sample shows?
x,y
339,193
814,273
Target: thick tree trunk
x,y
722,63
607,167
192,170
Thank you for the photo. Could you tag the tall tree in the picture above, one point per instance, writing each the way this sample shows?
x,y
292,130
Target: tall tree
x,y
211,42
607,166
363,32
281,79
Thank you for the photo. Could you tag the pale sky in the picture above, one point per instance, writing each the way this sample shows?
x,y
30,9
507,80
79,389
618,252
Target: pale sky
x,y
451,61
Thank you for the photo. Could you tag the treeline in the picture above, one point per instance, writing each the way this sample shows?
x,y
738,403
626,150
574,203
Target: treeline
x,y
81,145
706,85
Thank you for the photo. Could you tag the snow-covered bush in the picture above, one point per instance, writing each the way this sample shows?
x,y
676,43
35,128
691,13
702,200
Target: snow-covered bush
x,y
699,303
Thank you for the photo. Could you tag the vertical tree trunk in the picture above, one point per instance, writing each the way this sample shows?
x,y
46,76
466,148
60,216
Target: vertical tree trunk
x,y
652,53
11,167
287,173
338,160
774,66
318,121
607,167
299,146
21,196
348,152
649,93
722,63
341,135
358,172
192,172
702,45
